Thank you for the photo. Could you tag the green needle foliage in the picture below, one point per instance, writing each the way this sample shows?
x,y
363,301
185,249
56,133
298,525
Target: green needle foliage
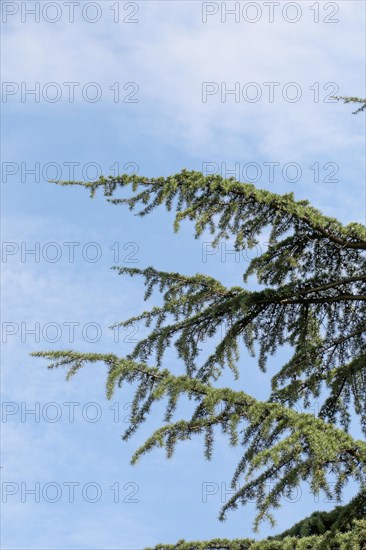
x,y
312,297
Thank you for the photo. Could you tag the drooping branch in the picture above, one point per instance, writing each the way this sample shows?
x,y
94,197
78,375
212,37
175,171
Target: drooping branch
x,y
304,447
243,210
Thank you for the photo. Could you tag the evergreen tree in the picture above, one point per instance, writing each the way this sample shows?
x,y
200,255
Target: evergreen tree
x,y
312,297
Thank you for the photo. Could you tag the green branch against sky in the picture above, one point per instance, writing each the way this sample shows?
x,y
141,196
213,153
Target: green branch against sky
x,y
312,297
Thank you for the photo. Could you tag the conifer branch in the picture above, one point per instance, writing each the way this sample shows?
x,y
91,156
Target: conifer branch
x,y
287,460
313,301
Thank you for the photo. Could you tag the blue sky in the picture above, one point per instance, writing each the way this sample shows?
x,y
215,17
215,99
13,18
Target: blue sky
x,y
167,53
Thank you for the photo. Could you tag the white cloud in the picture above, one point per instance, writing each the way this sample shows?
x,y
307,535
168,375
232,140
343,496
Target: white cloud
x,y
171,52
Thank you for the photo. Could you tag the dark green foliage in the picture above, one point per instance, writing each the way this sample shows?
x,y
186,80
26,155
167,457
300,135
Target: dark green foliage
x,y
218,544
354,539
313,298
338,520
343,528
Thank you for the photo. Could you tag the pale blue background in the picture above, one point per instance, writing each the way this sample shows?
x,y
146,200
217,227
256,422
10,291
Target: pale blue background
x,y
169,53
